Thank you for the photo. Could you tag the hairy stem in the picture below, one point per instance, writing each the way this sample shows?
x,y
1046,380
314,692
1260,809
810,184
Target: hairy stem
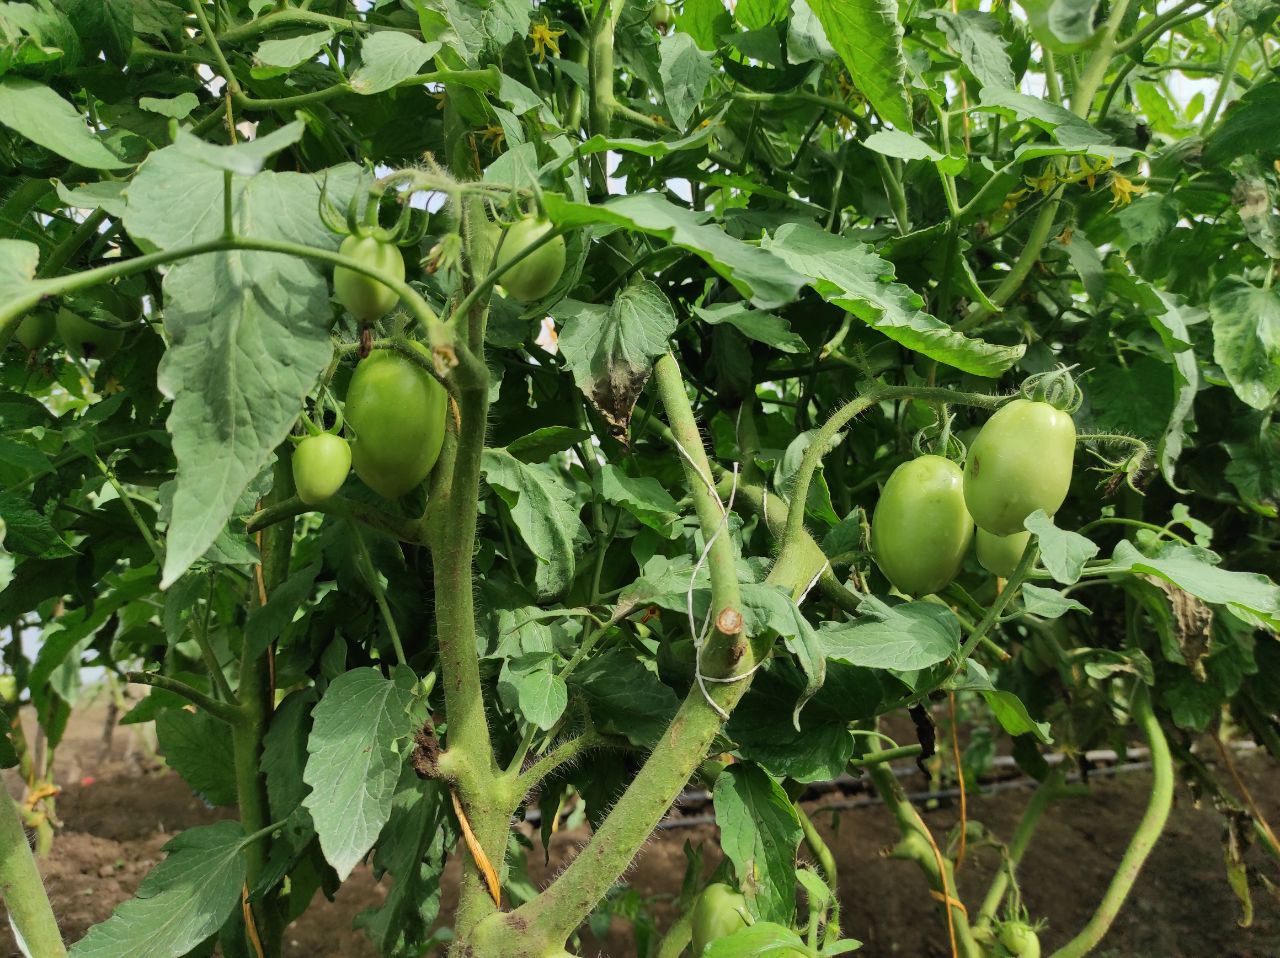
x,y
1144,839
22,890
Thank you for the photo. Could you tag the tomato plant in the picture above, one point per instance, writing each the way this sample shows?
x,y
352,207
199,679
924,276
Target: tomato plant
x,y
638,318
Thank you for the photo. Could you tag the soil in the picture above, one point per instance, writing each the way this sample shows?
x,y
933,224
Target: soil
x,y
119,807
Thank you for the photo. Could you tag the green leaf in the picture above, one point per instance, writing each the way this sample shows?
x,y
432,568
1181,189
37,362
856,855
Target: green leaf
x,y
359,738
1170,322
275,57
541,444
768,608
249,330
975,37
1246,339
175,108
685,72
610,350
542,508
905,638
1062,552
758,324
181,902
1250,595
848,273
764,939
33,110
1013,717
198,747
388,58
904,146
625,697
759,832
868,37
528,684
1248,127
642,496
760,277
1049,603
1067,128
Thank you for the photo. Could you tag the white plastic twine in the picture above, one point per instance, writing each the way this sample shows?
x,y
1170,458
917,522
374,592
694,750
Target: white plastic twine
x,y
700,634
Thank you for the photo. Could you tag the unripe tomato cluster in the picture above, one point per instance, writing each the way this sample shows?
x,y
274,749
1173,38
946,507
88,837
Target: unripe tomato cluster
x,y
1020,461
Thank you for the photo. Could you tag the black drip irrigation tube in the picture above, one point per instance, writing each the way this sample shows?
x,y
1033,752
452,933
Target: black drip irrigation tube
x,y
1103,763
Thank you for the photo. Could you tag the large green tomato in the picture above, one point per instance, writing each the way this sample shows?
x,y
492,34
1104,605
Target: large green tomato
x,y
1000,555
320,467
35,330
363,296
921,529
85,339
718,913
535,275
1020,462
396,409
1020,939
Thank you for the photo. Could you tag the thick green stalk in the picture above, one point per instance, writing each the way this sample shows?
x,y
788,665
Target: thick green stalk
x,y
1144,839
1224,85
542,925
256,704
451,524
22,890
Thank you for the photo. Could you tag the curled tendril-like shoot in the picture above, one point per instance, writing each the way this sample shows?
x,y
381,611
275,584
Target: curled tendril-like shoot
x,y
330,215
1057,387
938,439
1129,467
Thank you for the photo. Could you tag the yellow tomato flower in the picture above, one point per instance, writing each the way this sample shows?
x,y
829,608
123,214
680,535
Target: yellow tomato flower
x,y
544,39
1123,189
1043,183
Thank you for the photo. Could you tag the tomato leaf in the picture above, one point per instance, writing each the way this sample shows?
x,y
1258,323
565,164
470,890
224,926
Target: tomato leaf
x,y
356,751
759,832
868,37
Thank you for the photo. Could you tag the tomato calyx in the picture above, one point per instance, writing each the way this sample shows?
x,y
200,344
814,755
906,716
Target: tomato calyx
x,y
1057,387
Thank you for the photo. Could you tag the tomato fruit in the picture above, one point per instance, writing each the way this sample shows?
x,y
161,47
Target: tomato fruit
x,y
396,409
535,275
85,339
1020,939
320,467
1000,555
363,296
717,913
662,16
920,529
1020,462
35,330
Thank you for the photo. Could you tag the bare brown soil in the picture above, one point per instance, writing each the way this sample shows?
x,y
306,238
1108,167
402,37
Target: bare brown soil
x,y
118,809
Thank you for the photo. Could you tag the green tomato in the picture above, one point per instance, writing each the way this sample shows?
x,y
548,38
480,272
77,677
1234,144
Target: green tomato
x,y
320,467
662,16
1020,462
718,913
1020,939
396,409
363,296
85,339
999,555
535,275
8,689
35,330
921,529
